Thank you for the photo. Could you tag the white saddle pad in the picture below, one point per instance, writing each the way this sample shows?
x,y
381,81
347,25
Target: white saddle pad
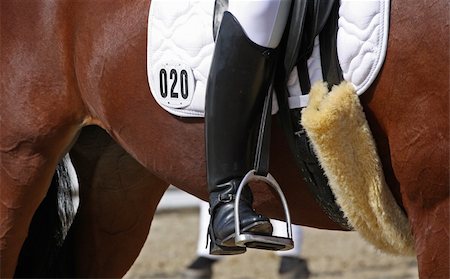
x,y
180,47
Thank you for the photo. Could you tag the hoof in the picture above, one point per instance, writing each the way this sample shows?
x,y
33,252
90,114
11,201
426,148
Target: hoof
x,y
293,268
201,268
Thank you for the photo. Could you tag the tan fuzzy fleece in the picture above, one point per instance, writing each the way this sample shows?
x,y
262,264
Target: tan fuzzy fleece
x,y
336,124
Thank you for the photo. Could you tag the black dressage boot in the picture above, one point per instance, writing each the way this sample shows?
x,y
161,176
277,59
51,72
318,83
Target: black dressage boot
x,y
239,79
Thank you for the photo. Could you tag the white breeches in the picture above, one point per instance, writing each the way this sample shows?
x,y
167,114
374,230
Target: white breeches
x,y
262,20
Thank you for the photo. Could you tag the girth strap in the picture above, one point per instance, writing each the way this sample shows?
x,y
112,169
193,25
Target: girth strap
x,y
331,70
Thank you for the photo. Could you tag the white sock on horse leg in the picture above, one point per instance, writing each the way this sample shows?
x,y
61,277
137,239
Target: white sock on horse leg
x,y
263,20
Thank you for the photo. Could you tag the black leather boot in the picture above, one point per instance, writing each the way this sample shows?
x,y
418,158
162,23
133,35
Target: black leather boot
x,y
239,80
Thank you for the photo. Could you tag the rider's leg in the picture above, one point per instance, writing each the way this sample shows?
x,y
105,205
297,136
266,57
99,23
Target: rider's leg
x,y
203,232
263,21
238,82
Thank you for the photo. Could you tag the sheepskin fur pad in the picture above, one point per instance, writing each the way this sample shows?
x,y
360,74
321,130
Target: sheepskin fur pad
x,y
343,142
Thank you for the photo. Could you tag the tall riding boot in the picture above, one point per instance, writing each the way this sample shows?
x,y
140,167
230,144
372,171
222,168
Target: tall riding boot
x,y
239,80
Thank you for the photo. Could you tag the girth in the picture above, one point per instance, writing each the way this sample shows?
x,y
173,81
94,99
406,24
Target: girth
x,y
309,19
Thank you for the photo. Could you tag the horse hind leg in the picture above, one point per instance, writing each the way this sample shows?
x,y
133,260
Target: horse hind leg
x,y
430,227
422,167
118,198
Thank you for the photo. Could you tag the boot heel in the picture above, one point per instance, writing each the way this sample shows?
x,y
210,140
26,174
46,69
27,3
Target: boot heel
x,y
215,249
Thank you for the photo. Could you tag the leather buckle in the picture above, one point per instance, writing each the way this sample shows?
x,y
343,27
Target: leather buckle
x,y
226,197
300,133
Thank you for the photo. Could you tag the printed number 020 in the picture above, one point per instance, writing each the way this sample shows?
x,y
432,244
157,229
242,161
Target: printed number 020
x,y
173,77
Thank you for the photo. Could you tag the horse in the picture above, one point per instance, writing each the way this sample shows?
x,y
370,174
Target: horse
x,y
74,79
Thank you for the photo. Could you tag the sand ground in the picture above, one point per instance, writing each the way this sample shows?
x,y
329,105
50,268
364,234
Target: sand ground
x,y
172,244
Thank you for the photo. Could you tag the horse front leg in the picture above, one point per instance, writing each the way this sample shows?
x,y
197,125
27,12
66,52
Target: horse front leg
x,y
118,198
24,183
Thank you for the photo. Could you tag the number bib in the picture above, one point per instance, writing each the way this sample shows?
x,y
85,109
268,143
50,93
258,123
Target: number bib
x,y
180,46
175,85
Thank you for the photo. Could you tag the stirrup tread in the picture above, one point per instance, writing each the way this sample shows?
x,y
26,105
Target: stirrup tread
x,y
275,243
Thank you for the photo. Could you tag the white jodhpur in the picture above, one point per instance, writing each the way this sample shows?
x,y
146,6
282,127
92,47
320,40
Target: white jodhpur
x,y
262,20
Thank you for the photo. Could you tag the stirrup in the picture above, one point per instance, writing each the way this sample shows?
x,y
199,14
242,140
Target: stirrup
x,y
275,243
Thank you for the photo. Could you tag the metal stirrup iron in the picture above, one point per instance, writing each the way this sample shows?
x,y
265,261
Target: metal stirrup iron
x,y
261,241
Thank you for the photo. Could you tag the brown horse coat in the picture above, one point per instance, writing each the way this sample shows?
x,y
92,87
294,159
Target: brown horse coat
x,y
69,64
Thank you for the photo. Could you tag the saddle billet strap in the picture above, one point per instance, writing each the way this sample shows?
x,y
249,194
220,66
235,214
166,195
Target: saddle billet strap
x,y
291,46
303,76
316,16
321,20
261,163
331,69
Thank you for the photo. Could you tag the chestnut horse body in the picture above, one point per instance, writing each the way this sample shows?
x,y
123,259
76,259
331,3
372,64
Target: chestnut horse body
x,y
72,64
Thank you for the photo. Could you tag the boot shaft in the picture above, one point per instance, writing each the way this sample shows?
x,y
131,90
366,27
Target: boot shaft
x,y
239,80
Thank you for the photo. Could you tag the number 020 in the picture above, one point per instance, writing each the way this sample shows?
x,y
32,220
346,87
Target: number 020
x,y
172,78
